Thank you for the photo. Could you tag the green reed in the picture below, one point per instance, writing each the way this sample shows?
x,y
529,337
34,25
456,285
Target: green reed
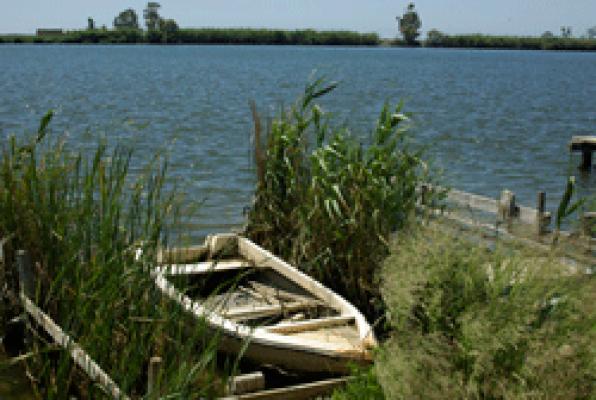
x,y
327,203
82,219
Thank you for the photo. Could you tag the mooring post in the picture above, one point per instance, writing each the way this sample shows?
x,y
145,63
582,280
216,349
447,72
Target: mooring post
x,y
153,387
423,194
26,275
507,207
542,216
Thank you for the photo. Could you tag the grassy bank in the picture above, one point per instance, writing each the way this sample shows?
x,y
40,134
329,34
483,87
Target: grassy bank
x,y
82,218
509,42
469,323
206,36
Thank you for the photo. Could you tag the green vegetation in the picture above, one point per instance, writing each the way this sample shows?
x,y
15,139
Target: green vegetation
x,y
409,25
82,219
327,203
171,35
438,39
127,20
469,323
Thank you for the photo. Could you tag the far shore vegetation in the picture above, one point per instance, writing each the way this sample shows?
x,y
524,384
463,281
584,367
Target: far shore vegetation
x,y
159,30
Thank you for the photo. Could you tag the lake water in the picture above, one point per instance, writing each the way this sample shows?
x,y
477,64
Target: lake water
x,y
491,119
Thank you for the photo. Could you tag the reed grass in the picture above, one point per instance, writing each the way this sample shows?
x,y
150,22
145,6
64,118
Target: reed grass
x,y
328,203
469,323
82,218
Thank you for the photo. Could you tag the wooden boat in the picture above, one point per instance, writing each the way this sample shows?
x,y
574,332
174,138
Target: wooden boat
x,y
265,307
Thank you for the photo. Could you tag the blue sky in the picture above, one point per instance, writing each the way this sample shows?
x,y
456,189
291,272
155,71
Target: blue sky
x,y
517,17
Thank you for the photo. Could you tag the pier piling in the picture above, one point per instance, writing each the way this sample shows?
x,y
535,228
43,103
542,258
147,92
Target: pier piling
x,y
586,145
542,216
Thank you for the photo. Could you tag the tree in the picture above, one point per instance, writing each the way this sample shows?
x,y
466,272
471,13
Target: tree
x,y
151,16
434,37
168,29
409,25
90,24
591,33
127,19
168,26
566,32
548,35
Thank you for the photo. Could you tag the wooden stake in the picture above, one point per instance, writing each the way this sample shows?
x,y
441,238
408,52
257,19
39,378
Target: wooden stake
x,y
153,387
542,217
507,207
423,194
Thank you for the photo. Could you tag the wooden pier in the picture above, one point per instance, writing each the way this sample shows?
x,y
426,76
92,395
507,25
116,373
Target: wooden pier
x,y
504,219
586,145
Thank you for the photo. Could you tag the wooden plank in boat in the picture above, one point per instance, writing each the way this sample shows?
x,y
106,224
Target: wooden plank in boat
x,y
182,255
297,392
311,324
276,294
252,312
204,267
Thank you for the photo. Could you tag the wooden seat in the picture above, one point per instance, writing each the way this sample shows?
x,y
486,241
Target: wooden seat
x,y
204,267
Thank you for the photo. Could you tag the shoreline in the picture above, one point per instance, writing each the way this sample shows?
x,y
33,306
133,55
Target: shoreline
x,y
306,37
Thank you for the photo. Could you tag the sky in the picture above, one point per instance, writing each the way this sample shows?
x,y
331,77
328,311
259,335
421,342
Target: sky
x,y
507,17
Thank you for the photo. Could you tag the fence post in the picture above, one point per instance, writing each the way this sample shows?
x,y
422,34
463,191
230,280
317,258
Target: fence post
x,y
153,387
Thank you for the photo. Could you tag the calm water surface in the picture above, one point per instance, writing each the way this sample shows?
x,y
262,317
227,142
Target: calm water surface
x,y
492,119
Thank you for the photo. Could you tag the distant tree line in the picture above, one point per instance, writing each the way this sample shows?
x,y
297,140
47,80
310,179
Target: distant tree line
x,y
205,36
127,29
545,42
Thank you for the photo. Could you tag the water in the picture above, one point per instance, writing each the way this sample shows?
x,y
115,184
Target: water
x,y
491,119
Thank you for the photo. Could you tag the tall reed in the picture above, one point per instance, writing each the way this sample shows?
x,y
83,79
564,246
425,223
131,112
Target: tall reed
x,y
82,219
328,203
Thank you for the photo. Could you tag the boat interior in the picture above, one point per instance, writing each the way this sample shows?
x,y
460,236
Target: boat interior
x,y
259,297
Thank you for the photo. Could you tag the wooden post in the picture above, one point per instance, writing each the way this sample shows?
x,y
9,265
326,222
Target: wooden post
x,y
542,217
586,145
153,387
586,164
507,207
26,275
247,383
423,194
